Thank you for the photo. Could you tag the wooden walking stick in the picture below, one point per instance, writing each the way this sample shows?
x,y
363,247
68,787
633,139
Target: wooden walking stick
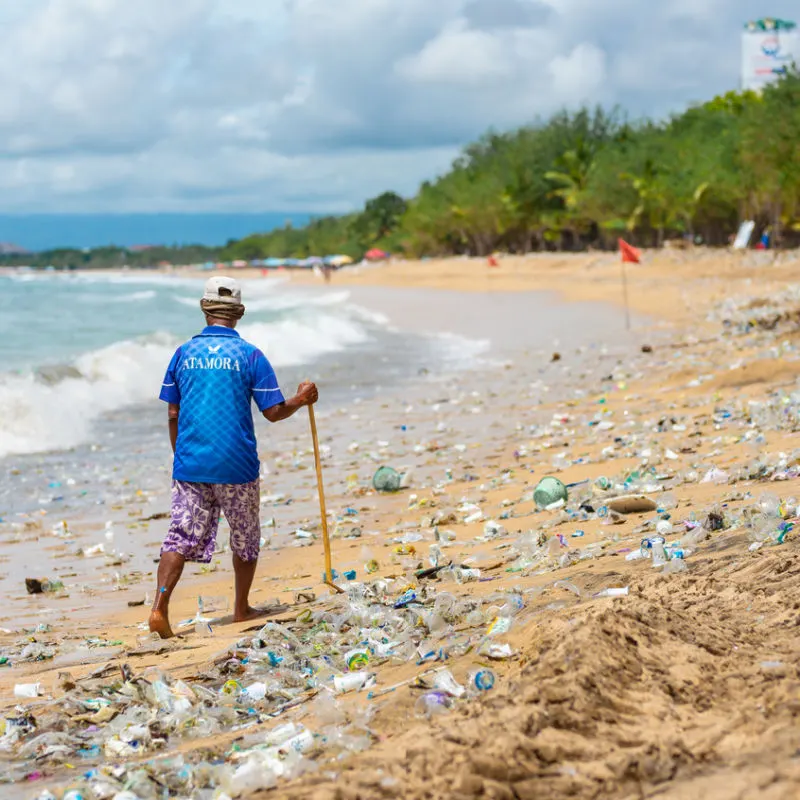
x,y
326,541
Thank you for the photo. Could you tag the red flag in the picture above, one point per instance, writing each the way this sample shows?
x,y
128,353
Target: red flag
x,y
630,255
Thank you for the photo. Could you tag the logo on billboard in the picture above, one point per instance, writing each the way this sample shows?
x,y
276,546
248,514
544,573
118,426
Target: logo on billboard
x,y
771,46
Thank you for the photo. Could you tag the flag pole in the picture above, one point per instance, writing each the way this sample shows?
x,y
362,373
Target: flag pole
x,y
627,253
625,295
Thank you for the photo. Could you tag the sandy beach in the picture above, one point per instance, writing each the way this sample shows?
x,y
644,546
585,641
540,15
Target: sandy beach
x,y
682,684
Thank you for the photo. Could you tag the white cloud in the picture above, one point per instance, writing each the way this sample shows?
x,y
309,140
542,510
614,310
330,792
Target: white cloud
x,y
313,104
459,56
580,74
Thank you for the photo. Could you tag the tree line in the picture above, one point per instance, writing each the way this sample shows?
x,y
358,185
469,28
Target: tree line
x,y
111,257
583,179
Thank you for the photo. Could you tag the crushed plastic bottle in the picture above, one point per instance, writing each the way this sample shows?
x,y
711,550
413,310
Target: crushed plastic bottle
x,y
353,682
614,591
769,504
432,704
667,502
446,682
568,586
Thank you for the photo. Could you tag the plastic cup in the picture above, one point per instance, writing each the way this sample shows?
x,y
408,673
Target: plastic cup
x,y
387,479
549,491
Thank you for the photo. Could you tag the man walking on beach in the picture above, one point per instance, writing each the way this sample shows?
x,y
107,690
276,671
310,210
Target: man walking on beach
x,y
209,385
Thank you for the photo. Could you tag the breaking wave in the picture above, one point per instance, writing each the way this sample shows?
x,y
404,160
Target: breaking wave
x,y
54,407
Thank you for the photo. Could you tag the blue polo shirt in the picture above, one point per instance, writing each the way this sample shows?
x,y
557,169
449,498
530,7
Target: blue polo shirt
x,y
213,377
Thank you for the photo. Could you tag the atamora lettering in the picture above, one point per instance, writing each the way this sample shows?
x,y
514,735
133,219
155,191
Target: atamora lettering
x,y
210,362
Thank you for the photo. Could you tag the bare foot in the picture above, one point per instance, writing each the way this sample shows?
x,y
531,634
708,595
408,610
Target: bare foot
x,y
251,613
160,624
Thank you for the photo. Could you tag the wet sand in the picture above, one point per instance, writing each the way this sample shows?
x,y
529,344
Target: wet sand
x,y
684,688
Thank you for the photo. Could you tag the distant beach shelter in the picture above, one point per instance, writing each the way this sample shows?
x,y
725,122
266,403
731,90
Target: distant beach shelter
x,y
338,261
769,48
376,255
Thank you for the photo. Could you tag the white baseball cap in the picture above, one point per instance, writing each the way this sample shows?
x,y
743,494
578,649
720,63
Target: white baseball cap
x,y
223,290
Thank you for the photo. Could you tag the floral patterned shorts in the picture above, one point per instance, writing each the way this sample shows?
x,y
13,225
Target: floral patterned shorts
x,y
195,518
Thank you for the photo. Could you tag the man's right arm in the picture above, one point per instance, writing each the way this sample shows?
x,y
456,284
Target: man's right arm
x,y
307,395
172,416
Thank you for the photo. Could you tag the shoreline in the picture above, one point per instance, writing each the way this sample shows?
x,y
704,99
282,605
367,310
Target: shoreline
x,y
498,439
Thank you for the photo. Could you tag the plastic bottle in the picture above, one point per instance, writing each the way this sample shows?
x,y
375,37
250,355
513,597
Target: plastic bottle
x,y
769,504
667,502
250,776
568,586
210,605
446,682
675,565
351,682
614,591
283,734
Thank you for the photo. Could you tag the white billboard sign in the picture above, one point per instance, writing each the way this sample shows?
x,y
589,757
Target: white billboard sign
x,y
768,54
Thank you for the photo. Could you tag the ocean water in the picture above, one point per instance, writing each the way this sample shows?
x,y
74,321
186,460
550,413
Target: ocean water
x,y
46,231
79,348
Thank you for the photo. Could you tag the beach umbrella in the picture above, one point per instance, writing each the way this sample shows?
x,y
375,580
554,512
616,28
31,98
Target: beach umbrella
x,y
375,255
239,263
273,262
339,261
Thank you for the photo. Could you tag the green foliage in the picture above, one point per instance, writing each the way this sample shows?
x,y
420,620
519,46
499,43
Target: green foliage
x,y
351,235
112,257
582,179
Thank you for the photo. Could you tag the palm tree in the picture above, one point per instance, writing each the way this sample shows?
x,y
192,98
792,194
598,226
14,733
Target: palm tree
x,y
572,178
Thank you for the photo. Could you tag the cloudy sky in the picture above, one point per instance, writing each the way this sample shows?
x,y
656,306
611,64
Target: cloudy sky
x,y
315,105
